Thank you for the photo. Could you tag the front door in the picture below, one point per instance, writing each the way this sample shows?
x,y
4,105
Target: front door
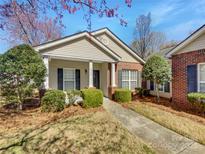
x,y
96,79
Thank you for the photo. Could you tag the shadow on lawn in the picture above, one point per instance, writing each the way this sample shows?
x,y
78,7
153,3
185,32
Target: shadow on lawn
x,y
90,133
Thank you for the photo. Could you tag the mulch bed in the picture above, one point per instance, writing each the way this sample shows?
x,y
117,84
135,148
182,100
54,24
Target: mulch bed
x,y
12,120
167,105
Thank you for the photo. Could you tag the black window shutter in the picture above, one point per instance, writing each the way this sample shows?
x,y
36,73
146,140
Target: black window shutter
x,y
167,87
60,78
77,79
192,78
151,85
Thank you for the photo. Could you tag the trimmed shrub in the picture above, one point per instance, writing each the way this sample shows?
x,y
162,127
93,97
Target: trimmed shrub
x,y
92,97
53,101
122,95
197,99
142,92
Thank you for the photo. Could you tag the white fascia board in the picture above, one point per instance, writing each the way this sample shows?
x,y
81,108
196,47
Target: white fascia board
x,y
185,42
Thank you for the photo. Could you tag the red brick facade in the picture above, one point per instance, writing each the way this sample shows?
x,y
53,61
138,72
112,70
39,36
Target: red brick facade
x,y
127,66
121,66
179,74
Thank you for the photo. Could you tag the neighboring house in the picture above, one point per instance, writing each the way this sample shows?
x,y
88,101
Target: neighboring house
x,y
165,90
188,67
97,59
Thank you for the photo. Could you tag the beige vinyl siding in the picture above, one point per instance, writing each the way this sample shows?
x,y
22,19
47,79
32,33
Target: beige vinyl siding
x,y
197,44
117,48
54,64
79,49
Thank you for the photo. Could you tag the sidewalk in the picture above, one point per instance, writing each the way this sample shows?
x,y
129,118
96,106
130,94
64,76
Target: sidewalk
x,y
160,138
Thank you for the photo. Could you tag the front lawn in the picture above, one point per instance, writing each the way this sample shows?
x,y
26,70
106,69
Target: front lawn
x,y
95,132
180,122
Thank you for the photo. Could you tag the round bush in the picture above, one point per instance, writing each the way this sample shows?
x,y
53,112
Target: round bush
x,y
53,101
92,97
122,95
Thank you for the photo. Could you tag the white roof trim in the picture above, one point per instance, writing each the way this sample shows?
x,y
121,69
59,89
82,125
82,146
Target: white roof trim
x,y
105,30
188,40
67,39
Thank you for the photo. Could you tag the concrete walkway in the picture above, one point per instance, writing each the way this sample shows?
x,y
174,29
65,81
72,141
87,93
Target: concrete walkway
x,y
160,138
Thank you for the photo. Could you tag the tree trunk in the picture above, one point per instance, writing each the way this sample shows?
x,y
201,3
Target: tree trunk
x,y
19,96
157,92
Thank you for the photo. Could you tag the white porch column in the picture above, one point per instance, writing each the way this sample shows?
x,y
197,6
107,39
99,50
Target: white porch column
x,y
46,62
113,84
90,74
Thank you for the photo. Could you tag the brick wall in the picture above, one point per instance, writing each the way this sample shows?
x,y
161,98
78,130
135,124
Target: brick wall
x,y
120,66
128,66
179,74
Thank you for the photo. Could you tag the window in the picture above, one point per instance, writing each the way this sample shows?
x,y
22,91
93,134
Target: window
x,y
130,79
201,77
68,79
162,87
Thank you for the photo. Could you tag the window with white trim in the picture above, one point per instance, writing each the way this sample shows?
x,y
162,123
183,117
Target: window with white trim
x,y
129,79
68,79
201,77
165,87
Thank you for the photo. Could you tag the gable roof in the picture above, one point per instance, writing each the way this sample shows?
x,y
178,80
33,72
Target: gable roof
x,y
56,42
186,41
92,37
119,41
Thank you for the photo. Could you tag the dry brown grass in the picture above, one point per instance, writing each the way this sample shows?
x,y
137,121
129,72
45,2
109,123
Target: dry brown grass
x,y
95,132
181,123
12,121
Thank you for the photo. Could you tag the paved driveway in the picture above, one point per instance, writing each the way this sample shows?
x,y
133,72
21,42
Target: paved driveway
x,y
162,139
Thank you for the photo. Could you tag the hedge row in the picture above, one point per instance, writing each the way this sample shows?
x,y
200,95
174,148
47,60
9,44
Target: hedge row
x,y
54,100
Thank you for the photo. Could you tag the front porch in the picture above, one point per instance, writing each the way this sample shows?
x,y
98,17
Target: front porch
x,y
71,74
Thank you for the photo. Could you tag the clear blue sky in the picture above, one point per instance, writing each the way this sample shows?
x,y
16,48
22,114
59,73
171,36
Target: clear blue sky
x,y
176,18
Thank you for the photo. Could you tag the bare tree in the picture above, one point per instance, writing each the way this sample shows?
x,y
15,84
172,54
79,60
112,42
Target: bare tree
x,y
146,41
158,39
169,44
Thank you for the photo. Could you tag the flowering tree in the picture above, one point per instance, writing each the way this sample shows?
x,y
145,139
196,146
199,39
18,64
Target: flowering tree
x,y
23,24
21,17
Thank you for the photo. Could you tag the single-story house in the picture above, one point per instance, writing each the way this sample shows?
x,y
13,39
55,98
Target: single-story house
x,y
91,59
165,89
188,67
